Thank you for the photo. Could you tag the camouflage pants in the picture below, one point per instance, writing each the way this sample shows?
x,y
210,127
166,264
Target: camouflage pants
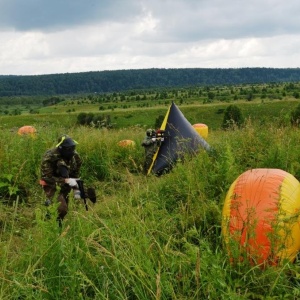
x,y
62,198
148,161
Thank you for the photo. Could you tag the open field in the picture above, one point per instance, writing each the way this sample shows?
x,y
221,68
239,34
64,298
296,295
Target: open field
x,y
146,237
210,114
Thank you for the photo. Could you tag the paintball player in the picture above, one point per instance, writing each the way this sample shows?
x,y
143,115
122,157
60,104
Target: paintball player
x,y
151,144
60,167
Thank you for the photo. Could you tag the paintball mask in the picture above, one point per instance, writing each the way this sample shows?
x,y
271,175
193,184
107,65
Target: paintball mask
x,y
66,146
150,132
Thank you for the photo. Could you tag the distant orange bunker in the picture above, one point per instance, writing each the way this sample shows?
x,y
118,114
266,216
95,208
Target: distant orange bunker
x,y
27,130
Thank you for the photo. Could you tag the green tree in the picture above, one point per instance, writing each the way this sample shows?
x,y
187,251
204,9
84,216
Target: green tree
x,y
81,118
232,117
210,96
250,97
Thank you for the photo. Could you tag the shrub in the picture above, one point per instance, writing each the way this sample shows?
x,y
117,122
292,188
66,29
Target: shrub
x,y
232,117
295,116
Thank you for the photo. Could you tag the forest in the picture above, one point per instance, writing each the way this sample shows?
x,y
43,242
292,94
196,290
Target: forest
x,y
126,80
108,103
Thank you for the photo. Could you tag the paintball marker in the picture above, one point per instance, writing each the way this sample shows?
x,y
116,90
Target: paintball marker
x,y
82,192
91,194
159,134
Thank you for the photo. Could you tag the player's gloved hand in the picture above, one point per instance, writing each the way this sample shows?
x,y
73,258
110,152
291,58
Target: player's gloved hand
x,y
77,194
153,139
71,182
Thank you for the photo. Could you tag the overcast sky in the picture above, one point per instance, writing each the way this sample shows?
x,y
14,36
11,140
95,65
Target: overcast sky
x,y
66,36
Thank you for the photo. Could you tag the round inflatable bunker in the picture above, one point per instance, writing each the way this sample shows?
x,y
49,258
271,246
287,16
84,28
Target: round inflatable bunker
x,y
126,143
202,129
27,130
260,217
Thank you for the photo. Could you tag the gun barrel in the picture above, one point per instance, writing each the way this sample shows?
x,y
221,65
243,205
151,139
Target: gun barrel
x,y
82,192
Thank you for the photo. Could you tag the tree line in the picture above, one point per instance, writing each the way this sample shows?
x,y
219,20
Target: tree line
x,y
125,80
14,105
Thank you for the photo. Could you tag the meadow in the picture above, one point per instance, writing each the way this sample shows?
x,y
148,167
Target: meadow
x,y
147,237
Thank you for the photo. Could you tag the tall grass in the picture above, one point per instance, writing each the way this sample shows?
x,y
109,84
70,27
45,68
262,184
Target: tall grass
x,y
146,237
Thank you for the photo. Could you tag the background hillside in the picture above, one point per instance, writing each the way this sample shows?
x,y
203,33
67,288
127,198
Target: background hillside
x,y
125,80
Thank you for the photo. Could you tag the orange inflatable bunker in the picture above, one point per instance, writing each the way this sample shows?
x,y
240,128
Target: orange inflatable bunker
x,y
27,130
260,217
126,143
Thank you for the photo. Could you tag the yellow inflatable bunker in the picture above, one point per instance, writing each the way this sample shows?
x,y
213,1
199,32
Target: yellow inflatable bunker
x,y
260,217
202,129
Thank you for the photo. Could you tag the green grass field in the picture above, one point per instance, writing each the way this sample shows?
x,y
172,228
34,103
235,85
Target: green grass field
x,y
146,237
210,114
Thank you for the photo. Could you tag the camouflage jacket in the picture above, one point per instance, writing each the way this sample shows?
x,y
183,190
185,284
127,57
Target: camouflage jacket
x,y
150,145
147,141
51,161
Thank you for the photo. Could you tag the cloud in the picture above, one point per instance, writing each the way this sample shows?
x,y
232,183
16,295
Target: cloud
x,y
44,15
42,37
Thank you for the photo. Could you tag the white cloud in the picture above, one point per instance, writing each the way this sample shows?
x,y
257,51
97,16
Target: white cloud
x,y
42,37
